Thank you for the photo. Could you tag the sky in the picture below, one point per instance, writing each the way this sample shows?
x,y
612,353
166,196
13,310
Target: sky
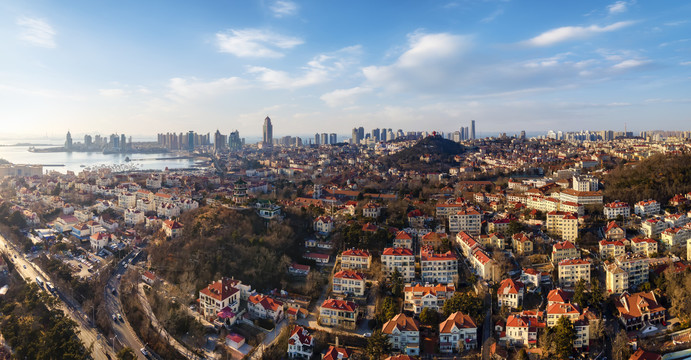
x,y
143,67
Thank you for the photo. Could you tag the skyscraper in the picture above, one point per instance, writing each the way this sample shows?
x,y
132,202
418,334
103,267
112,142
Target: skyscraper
x,y
333,138
268,132
375,134
190,140
68,141
360,133
472,129
354,136
325,139
462,133
316,139
234,142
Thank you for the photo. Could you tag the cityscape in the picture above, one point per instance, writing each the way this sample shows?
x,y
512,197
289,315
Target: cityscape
x,y
287,179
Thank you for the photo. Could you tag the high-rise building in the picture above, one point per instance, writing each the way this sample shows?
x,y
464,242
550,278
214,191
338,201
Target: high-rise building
x,y
234,141
333,138
463,136
354,136
268,132
360,133
68,141
190,140
87,140
325,139
522,134
317,140
123,142
472,129
375,134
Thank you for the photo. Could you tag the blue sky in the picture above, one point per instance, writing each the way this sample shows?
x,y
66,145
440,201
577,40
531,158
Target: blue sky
x,y
142,67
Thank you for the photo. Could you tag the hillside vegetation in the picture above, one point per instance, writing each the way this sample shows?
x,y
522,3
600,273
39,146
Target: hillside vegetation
x,y
441,151
659,177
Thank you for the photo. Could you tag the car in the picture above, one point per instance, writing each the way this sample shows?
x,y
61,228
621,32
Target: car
x,y
25,266
120,318
144,352
115,318
115,292
119,276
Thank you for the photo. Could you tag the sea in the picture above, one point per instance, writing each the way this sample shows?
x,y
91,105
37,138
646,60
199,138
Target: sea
x,y
77,161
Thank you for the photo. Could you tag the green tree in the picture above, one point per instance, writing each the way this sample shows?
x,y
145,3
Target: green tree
x,y
397,285
522,355
466,303
565,334
429,316
377,345
56,190
596,298
126,353
387,310
580,297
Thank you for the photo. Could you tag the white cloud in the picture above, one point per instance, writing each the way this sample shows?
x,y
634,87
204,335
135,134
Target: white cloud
x,y
37,32
283,8
320,69
189,88
618,7
343,97
429,62
685,63
113,93
631,63
568,33
489,18
255,43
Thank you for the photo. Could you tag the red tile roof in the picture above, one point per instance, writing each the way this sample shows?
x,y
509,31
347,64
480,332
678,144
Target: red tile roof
x,y
336,304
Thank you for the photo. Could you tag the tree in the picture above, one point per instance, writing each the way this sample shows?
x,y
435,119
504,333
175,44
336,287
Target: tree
x,y
397,285
620,346
377,345
522,355
387,310
580,297
466,303
126,353
429,316
565,334
596,297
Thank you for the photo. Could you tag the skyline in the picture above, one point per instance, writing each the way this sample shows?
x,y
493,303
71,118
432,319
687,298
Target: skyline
x,y
329,67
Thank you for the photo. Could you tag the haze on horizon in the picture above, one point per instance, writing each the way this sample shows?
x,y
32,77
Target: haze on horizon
x,y
315,66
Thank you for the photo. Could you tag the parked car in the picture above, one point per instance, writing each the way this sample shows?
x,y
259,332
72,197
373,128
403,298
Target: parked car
x,y
144,352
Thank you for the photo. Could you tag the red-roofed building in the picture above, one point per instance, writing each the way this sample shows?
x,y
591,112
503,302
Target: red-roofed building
x,y
646,208
611,248
217,296
403,239
334,312
614,232
639,309
172,228
522,329
337,353
264,307
317,257
403,333
564,250
433,239
468,220
418,297
522,244
438,267
324,225
235,341
401,259
617,208
356,259
645,246
349,282
641,354
563,224
457,333
300,344
573,270
558,296
510,293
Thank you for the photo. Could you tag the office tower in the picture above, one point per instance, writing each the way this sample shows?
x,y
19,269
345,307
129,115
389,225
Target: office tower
x,y
87,140
354,136
360,133
399,133
68,141
325,139
463,134
234,142
123,142
383,135
375,134
333,139
390,135
114,141
219,144
522,134
268,132
472,129
316,139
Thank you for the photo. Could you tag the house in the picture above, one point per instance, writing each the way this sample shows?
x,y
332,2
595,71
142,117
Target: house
x,y
416,219
616,279
336,353
81,231
676,236
646,208
300,344
558,296
349,282
562,224
133,217
510,293
356,259
645,246
484,266
99,240
438,267
418,297
401,259
457,333
573,270
564,250
636,265
654,226
467,243
324,225
641,354
614,232
339,313
220,296
639,310
522,329
65,223
403,240
611,248
433,239
298,269
580,322
149,278
172,228
320,259
371,210
403,333
264,307
235,341
469,221
522,244
534,278
615,209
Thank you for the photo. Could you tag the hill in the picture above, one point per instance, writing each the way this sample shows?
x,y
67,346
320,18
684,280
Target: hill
x,y
440,152
659,177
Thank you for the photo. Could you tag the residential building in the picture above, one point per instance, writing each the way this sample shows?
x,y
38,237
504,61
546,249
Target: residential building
x,y
580,322
483,266
219,295
510,293
639,310
641,354
403,240
676,236
585,183
611,248
371,210
418,297
614,232
581,197
349,282
522,329
172,228
562,224
646,208
300,344
469,221
636,265
134,217
564,250
99,240
401,259
558,296
616,279
404,334
264,307
324,225
438,267
337,353
467,243
573,270
356,259
339,313
653,227
433,239
522,244
645,246
617,208
457,333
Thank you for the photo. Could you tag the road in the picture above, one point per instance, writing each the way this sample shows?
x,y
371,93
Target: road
x,y
87,334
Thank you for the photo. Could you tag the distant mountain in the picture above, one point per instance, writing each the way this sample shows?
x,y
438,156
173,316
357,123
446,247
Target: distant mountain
x,y
432,153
